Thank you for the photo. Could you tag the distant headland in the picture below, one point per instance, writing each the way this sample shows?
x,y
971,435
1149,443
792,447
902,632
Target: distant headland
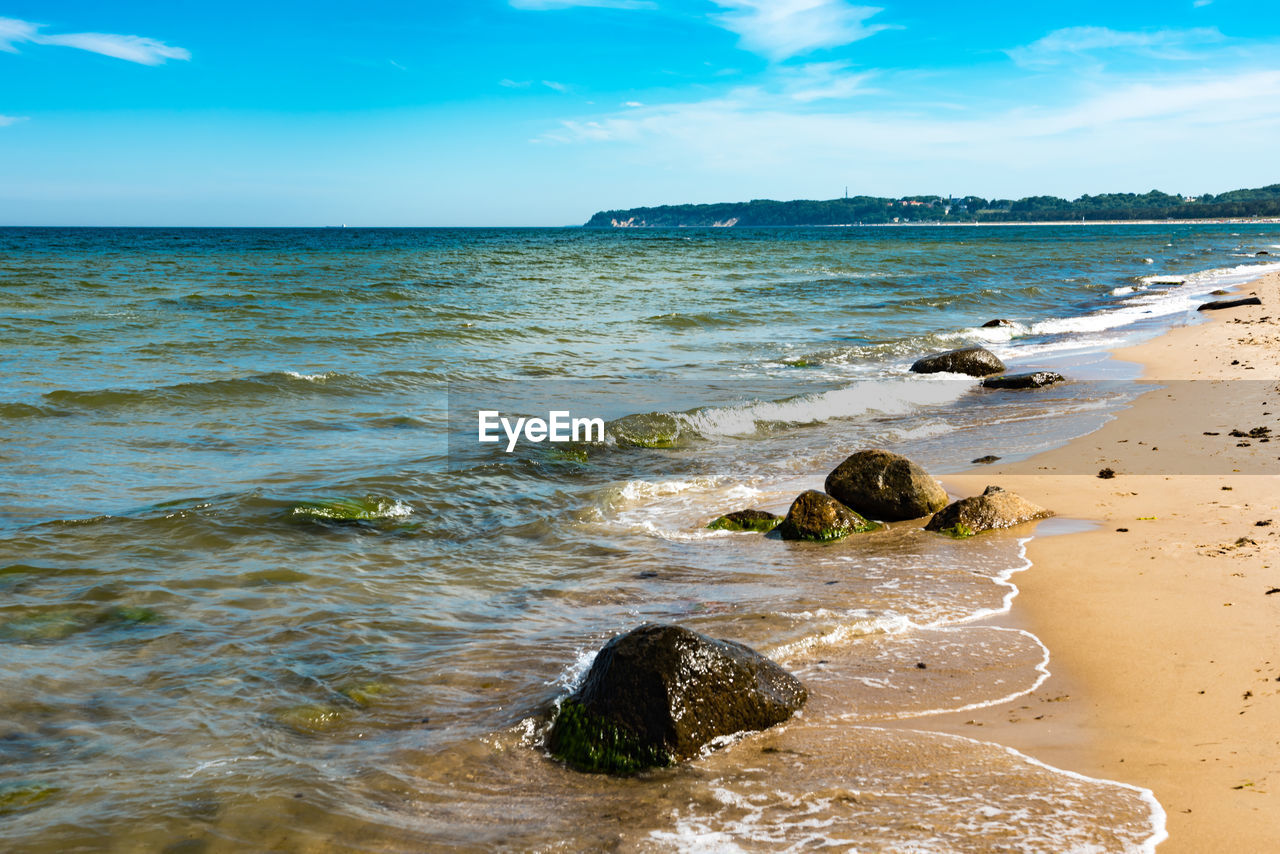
x,y
874,210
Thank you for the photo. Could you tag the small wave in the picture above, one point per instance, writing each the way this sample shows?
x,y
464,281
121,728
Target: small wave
x,y
255,388
882,397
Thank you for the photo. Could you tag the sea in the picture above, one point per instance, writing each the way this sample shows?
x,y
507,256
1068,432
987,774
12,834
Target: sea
x,y
262,587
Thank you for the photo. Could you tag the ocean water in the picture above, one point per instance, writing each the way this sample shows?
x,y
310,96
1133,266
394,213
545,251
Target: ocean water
x,y
199,651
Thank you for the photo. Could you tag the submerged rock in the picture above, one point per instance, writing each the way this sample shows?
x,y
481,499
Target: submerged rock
x,y
747,520
998,322
19,795
994,508
660,693
989,458
1031,379
313,718
1217,304
817,517
974,361
884,485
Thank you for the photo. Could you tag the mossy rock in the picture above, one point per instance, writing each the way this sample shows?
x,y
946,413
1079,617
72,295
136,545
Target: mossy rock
x,y
648,430
974,361
818,518
746,520
660,693
22,795
994,508
885,485
959,531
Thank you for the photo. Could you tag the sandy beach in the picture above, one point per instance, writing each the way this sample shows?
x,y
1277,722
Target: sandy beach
x,y
1163,622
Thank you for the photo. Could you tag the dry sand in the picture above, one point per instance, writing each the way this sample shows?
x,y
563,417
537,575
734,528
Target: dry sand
x,y
1165,642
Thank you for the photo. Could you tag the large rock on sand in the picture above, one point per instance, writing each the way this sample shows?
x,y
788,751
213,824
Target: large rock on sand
x,y
1219,304
659,693
819,518
994,508
885,486
974,361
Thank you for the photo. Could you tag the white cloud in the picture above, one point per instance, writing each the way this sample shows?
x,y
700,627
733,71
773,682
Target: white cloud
x,y
633,104
818,81
514,84
558,87
569,4
9,120
139,49
1134,130
780,29
1073,42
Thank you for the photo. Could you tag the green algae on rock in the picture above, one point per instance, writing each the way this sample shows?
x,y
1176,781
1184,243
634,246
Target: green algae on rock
x,y
591,742
817,517
746,520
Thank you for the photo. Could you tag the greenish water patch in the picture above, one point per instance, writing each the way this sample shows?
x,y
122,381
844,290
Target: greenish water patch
x,y
23,795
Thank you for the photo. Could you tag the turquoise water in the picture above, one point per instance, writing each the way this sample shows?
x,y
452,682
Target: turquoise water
x,y
196,651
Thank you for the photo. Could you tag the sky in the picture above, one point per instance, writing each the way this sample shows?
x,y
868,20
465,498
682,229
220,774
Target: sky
x,y
541,112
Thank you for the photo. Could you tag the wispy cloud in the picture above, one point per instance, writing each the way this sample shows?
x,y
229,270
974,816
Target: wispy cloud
x,y
569,4
780,29
514,84
10,120
139,49
558,87
817,81
752,133
1074,42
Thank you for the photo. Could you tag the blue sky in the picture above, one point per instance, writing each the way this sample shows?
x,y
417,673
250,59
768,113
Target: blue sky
x,y
539,112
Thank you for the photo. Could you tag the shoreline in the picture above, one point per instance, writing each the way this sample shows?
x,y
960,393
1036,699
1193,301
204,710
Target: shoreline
x,y
1164,645
932,224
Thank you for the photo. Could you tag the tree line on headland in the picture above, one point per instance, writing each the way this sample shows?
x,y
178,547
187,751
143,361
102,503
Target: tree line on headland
x,y
1261,202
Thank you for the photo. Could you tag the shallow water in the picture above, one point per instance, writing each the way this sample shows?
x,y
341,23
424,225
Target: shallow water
x,y
198,649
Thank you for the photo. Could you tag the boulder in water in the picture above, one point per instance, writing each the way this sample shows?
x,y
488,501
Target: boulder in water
x,y
994,508
746,520
886,486
819,518
660,693
997,322
974,361
1031,379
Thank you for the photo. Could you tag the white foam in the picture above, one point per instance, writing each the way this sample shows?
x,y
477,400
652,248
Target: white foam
x,y
883,397
1159,817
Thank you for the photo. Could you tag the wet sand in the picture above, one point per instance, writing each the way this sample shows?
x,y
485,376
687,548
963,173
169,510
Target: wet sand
x,y
1165,642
